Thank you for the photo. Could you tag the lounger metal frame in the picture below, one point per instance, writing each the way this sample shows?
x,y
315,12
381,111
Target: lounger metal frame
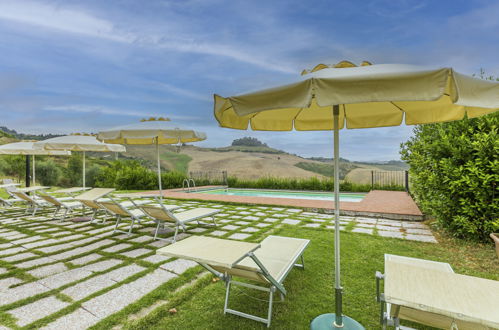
x,y
387,318
275,284
124,213
178,223
61,204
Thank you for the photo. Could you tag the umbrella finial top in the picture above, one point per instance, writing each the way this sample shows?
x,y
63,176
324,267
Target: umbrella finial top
x,y
339,65
155,119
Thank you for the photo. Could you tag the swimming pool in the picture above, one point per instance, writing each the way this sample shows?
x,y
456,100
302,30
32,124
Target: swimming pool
x,y
326,196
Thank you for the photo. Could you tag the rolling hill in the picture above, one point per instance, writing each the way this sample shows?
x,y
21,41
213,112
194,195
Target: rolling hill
x,y
253,162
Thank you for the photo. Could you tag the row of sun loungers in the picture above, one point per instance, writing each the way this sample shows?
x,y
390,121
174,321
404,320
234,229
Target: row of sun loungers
x,y
99,199
418,290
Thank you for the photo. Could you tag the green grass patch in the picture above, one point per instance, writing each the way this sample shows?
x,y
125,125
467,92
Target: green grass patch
x,y
310,291
179,162
326,169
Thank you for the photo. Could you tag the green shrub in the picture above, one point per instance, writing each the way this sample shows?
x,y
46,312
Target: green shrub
x,y
14,166
126,175
47,173
454,172
74,171
91,175
312,183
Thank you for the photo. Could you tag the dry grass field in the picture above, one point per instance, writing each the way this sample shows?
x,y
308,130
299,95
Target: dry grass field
x,y
245,165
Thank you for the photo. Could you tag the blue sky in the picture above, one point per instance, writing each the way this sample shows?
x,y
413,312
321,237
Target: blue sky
x,y
80,66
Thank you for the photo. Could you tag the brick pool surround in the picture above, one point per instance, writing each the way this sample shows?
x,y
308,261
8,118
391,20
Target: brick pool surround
x,y
397,205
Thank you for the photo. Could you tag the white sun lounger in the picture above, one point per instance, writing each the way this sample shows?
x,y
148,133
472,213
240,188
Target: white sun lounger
x,y
35,202
430,293
163,215
121,212
90,198
68,206
267,263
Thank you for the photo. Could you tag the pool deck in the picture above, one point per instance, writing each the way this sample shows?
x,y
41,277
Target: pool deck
x,y
397,205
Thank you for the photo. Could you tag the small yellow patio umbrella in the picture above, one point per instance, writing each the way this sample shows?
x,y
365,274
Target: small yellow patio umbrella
x,y
152,131
26,148
363,97
78,142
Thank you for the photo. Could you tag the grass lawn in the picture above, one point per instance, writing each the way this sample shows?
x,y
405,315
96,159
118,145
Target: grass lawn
x,y
310,291
179,162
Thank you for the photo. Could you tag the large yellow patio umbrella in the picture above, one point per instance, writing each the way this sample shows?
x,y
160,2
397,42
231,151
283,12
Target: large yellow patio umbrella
x,y
362,97
152,131
78,142
26,148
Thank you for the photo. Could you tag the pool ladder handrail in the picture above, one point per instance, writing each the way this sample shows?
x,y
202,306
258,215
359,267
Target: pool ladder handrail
x,y
188,183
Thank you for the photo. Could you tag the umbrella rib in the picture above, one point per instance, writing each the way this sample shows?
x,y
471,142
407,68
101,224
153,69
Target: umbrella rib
x,y
397,106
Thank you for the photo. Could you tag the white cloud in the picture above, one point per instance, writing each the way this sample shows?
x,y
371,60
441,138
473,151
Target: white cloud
x,y
59,18
81,22
81,108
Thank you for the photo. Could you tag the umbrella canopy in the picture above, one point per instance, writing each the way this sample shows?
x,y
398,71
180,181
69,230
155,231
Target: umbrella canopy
x,y
26,148
363,97
151,131
78,142
369,96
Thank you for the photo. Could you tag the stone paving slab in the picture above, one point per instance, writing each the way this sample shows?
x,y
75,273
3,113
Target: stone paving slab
x,y
88,287
40,243
5,283
136,253
291,221
394,234
142,239
86,259
77,320
102,265
35,262
239,236
48,270
36,310
21,292
125,272
179,266
218,233
117,247
11,251
112,301
19,256
362,230
151,281
156,258
58,280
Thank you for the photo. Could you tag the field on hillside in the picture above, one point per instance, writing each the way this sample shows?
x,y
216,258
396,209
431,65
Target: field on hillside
x,y
245,164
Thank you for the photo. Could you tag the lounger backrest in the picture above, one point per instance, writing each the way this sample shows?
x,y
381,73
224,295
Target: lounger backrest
x,y
94,194
23,196
277,253
10,190
89,203
159,213
51,199
116,208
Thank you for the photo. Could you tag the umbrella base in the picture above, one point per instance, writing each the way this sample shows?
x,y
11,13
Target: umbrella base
x,y
81,219
326,321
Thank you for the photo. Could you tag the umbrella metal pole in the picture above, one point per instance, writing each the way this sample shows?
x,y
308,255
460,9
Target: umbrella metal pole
x,y
159,171
337,274
34,172
27,180
84,179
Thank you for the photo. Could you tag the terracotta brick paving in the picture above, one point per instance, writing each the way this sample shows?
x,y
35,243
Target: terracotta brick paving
x,y
376,201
